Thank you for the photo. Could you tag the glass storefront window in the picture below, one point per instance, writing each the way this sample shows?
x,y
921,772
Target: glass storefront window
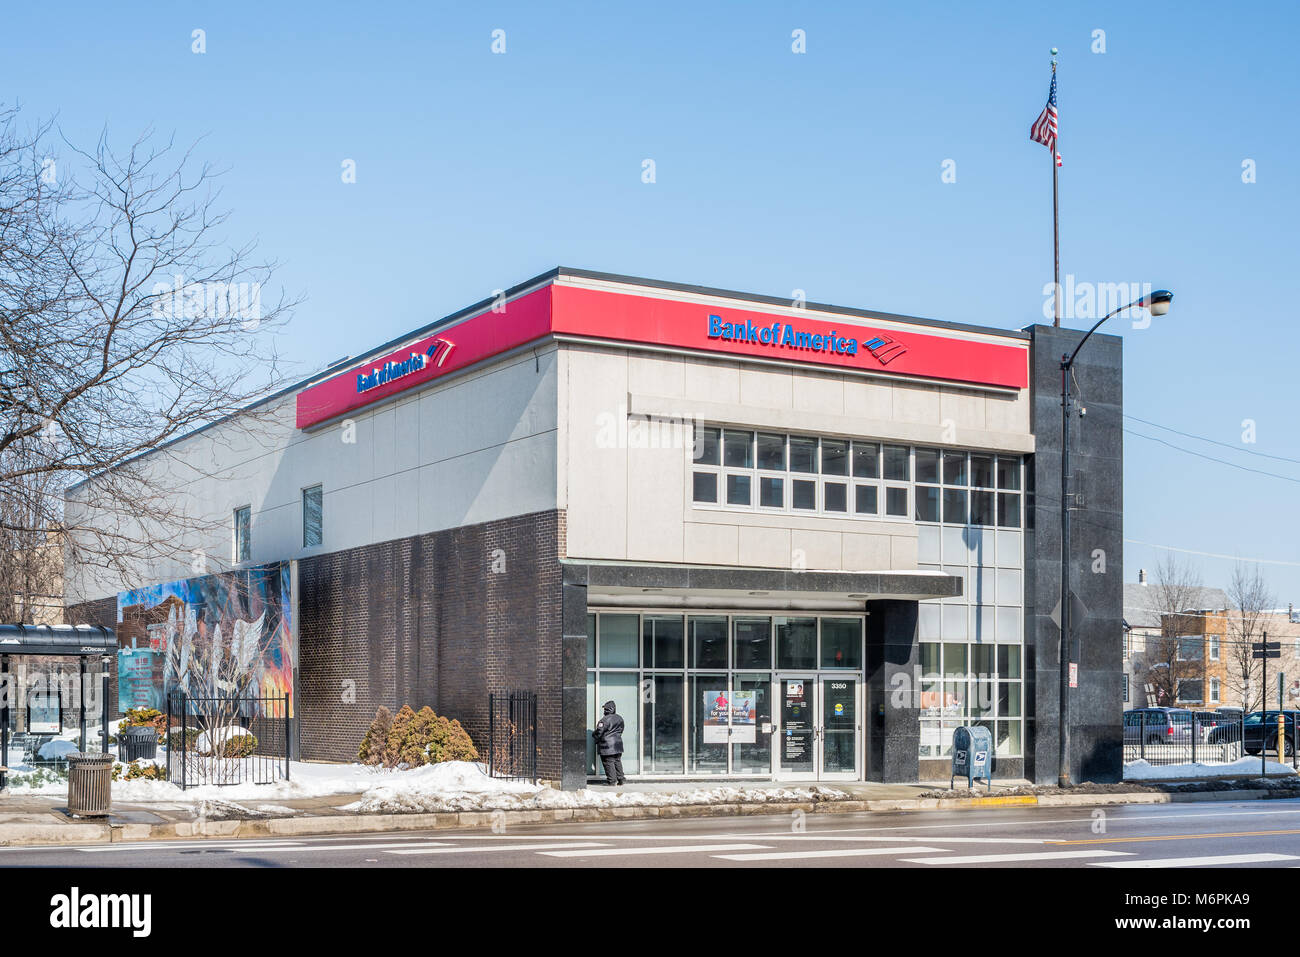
x,y
624,689
618,641
753,643
842,643
708,637
593,762
591,641
1008,661
796,643
662,712
662,639
755,757
710,702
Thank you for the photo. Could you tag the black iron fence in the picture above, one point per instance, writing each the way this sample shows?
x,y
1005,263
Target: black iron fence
x,y
1163,737
226,741
512,735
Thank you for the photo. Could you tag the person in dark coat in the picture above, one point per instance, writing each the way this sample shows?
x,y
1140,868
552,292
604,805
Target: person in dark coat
x,y
609,743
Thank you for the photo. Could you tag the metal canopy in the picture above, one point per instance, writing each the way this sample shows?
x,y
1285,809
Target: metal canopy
x,y
73,641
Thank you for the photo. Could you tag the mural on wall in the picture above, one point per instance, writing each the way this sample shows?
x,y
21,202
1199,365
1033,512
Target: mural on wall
x,y
217,636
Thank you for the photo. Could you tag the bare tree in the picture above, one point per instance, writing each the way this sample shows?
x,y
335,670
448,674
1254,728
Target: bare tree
x,y
125,323
1250,600
1175,588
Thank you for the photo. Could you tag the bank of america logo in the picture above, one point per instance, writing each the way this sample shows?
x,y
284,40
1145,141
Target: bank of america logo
x,y
438,351
885,348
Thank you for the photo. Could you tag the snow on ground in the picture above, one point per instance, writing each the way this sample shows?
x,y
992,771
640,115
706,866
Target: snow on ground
x,y
1244,767
53,750
450,786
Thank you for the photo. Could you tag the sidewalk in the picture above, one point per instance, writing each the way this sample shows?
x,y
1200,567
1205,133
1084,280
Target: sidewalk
x,y
27,820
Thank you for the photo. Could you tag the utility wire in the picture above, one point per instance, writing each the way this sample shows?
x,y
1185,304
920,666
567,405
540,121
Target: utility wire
x,y
1192,551
1201,438
1202,455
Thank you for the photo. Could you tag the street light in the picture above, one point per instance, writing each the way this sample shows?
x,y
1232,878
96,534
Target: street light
x,y
1157,303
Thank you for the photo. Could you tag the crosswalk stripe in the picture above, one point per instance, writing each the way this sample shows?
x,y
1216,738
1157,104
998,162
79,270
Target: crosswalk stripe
x,y
1220,860
1000,858
837,852
676,849
483,849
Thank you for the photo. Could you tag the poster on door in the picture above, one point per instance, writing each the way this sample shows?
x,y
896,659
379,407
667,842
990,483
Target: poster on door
x,y
717,708
739,707
744,716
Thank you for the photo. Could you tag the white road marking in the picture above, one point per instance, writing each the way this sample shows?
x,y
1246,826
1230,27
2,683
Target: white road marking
x,y
1000,858
497,847
837,852
675,849
1221,860
174,845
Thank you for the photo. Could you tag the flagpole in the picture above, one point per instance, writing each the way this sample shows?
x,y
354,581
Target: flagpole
x,y
1056,220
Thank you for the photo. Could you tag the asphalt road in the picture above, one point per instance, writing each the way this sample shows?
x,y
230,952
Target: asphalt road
x,y
1212,834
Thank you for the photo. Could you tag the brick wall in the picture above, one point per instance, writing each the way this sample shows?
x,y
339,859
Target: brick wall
x,y
439,619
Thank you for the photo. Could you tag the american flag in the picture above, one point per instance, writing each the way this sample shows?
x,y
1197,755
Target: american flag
x,y
1044,128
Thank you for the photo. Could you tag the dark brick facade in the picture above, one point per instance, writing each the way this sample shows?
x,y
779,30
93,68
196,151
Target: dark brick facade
x,y
427,620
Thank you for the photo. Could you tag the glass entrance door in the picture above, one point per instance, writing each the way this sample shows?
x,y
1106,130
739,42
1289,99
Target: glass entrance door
x,y
796,753
820,730
841,725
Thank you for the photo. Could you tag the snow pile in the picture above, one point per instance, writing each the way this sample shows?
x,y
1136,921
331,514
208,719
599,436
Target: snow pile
x,y
1244,767
464,787
56,749
204,743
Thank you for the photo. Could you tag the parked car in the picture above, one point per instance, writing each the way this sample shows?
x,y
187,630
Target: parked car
x,y
1208,721
1261,729
1157,726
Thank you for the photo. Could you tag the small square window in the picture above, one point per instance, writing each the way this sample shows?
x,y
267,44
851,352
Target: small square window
x,y
707,441
706,487
954,506
771,452
738,490
835,457
866,500
771,492
954,468
896,502
866,460
738,449
927,503
1008,472
898,466
1008,510
805,494
981,471
927,465
835,497
803,454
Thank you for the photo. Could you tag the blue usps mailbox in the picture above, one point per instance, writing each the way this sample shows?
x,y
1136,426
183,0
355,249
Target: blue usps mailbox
x,y
972,755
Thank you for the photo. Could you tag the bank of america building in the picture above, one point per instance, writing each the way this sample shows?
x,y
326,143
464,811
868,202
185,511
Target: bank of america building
x,y
789,541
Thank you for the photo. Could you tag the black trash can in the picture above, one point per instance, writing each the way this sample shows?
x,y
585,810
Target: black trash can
x,y
136,743
90,782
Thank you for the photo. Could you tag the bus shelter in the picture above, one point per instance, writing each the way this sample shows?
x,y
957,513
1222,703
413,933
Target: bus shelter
x,y
79,642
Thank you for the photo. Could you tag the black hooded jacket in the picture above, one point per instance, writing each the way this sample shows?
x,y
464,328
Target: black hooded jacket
x,y
609,732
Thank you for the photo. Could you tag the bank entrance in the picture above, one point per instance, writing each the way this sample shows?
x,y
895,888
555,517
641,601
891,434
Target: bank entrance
x,y
819,728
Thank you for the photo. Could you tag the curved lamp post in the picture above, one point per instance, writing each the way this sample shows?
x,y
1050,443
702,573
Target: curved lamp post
x,y
1157,303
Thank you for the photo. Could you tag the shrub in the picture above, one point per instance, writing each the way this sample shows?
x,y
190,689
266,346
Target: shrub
x,y
239,746
135,771
423,737
174,739
376,739
145,718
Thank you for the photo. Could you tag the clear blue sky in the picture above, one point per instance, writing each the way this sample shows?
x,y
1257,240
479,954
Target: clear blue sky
x,y
775,171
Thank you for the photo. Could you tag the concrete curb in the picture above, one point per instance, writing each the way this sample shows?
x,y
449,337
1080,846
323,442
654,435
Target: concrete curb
x,y
46,835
